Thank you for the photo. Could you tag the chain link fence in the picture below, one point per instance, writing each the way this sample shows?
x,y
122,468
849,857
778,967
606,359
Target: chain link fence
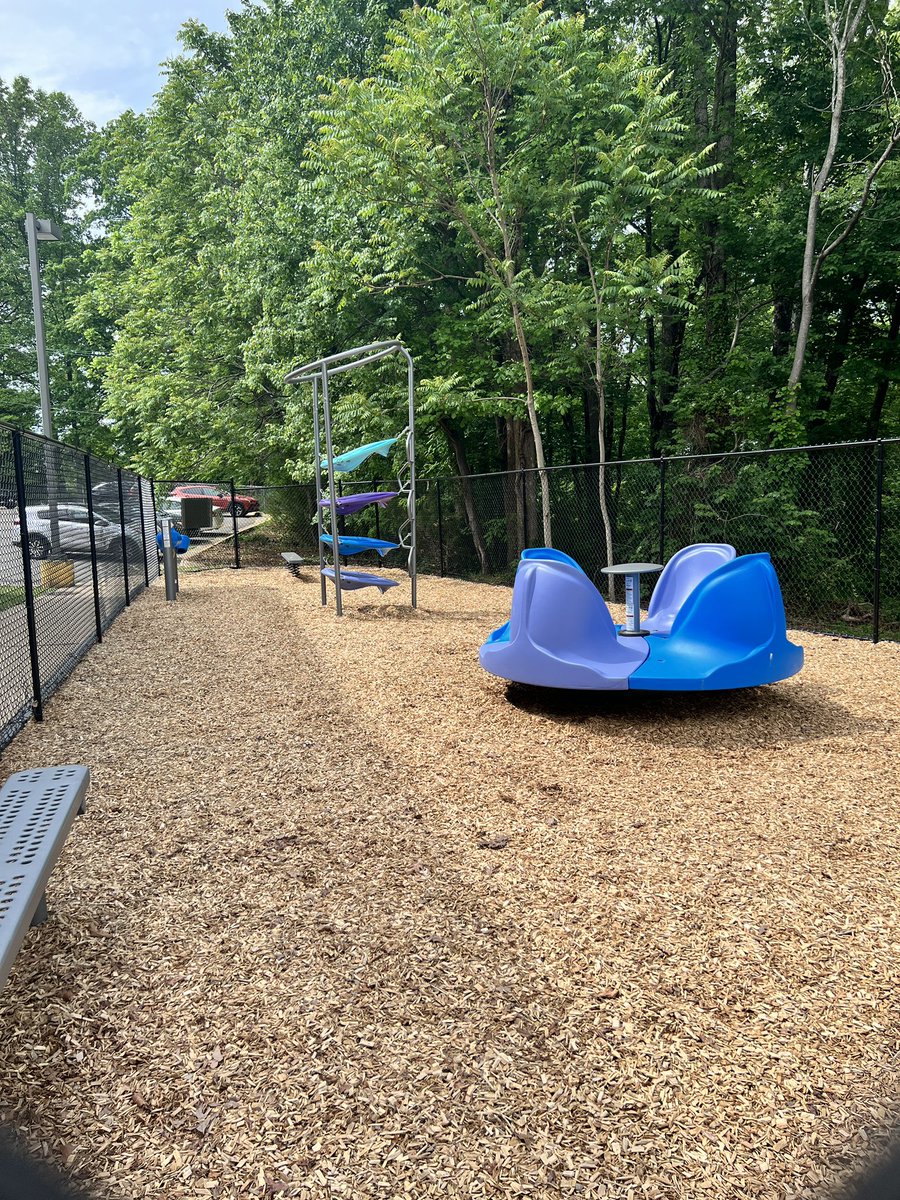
x,y
77,544
829,516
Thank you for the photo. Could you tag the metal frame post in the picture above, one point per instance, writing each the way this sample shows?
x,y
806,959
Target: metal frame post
x,y
234,521
335,364
411,463
37,706
879,510
170,561
124,542
95,577
140,488
332,495
440,515
317,476
662,509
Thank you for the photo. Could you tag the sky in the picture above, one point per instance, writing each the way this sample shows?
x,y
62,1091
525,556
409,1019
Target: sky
x,y
104,53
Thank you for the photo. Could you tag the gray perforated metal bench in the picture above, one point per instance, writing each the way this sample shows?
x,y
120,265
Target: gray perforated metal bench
x,y
37,809
293,561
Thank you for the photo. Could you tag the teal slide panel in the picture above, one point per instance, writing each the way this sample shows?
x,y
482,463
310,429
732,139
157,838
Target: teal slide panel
x,y
351,459
358,545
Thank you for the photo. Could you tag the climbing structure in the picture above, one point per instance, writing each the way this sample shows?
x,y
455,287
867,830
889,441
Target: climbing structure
x,y
332,506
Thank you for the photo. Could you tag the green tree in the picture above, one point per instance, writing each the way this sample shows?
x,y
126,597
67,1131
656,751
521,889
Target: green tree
x,y
42,137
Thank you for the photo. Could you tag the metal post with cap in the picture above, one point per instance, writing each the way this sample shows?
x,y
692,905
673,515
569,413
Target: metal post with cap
x,y
38,230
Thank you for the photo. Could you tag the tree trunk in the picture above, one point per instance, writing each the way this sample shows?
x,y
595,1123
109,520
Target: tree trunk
x,y
840,343
525,353
840,40
515,432
458,446
888,360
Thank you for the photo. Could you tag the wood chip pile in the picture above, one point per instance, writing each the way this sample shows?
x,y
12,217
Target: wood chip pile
x,y
348,917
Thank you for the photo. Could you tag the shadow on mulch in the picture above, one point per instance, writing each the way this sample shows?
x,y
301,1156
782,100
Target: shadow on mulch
x,y
750,717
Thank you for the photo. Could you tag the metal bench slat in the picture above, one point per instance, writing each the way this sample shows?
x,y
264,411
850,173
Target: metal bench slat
x,y
37,809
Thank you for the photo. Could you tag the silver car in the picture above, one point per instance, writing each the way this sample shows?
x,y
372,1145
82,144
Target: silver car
x,y
73,521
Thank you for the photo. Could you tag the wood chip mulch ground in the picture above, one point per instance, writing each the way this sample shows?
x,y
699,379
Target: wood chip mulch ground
x,y
348,917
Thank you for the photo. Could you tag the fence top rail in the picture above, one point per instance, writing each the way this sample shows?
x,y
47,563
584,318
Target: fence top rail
x,y
619,462
672,458
31,435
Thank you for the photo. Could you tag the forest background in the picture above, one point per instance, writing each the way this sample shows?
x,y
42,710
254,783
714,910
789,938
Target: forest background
x,y
604,232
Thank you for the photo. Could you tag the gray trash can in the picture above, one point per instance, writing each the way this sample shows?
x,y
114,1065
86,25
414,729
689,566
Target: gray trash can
x,y
196,513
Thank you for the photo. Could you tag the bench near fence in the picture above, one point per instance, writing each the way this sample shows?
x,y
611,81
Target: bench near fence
x,y
37,809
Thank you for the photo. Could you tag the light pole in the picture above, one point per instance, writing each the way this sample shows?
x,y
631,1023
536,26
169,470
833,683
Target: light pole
x,y
43,231
40,231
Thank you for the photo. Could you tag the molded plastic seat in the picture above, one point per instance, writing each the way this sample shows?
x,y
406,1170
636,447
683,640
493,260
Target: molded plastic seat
x,y
729,633
359,545
547,554
351,581
560,633
680,576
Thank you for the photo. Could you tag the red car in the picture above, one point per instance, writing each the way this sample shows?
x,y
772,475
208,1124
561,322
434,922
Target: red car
x,y
243,505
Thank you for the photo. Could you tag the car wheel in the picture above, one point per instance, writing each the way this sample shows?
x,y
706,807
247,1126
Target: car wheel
x,y
237,509
38,546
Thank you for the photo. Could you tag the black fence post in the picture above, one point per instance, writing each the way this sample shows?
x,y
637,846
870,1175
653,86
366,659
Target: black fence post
x,y
153,506
662,509
879,510
523,508
124,538
234,520
440,527
140,490
376,484
92,536
37,706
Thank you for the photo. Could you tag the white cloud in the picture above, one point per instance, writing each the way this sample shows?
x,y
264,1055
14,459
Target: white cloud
x,y
104,53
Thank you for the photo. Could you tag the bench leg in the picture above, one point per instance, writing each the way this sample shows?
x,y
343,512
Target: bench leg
x,y
40,913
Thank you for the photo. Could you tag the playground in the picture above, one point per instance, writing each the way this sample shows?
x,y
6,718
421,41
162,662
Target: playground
x,y
349,916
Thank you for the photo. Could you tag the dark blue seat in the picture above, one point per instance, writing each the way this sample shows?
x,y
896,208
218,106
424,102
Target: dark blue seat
x,y
729,633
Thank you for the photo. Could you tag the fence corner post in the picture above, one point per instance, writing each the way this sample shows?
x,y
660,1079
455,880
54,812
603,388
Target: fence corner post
x,y
879,510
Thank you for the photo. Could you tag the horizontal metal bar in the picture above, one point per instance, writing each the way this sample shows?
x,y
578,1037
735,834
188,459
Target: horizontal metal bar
x,y
308,370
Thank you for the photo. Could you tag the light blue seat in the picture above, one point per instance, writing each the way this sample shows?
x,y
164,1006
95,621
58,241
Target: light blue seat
x,y
681,575
560,633
546,554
